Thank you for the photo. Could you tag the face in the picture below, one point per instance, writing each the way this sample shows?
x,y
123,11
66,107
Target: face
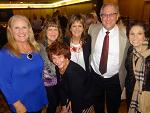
x,y
59,60
109,17
76,29
136,36
20,30
52,33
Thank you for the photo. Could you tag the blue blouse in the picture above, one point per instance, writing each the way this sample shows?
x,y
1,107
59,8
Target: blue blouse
x,y
21,79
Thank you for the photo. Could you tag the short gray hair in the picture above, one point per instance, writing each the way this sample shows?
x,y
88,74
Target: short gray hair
x,y
109,4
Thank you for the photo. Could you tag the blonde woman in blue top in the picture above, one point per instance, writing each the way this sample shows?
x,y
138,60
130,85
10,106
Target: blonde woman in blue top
x,y
21,79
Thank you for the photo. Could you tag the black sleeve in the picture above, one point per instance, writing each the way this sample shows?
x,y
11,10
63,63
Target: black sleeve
x,y
62,87
146,86
130,78
63,91
77,82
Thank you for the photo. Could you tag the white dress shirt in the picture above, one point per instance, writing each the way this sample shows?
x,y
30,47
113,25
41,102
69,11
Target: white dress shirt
x,y
113,53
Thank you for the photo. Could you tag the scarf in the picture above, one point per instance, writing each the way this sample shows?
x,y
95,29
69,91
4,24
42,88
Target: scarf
x,y
139,69
48,65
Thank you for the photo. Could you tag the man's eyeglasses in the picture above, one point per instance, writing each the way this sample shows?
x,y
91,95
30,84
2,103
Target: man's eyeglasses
x,y
108,15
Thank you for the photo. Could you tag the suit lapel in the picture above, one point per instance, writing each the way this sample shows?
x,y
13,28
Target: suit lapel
x,y
122,45
95,35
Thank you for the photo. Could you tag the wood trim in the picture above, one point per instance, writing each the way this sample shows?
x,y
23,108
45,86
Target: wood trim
x,y
146,0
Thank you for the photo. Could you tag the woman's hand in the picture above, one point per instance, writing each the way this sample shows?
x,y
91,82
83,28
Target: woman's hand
x,y
69,107
66,109
20,108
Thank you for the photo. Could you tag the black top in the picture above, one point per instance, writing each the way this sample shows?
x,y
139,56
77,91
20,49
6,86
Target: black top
x,y
73,85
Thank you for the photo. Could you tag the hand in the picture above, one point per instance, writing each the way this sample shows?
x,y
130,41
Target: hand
x,y
69,107
20,108
64,109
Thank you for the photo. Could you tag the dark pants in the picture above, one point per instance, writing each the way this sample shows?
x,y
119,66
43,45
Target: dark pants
x,y
52,94
106,90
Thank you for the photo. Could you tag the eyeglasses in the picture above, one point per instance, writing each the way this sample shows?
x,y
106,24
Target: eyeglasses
x,y
111,15
29,56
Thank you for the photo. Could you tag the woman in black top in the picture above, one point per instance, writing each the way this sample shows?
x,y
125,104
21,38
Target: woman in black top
x,y
73,82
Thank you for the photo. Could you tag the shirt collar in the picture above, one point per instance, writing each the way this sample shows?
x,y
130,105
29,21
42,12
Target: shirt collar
x,y
111,31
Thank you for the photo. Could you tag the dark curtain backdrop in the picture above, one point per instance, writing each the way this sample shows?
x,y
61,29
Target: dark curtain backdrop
x,y
5,14
98,3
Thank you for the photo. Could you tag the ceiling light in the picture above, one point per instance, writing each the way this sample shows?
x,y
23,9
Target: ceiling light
x,y
51,5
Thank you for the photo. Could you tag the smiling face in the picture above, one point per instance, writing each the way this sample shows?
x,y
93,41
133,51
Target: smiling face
x,y
136,36
109,16
20,30
77,29
59,60
52,33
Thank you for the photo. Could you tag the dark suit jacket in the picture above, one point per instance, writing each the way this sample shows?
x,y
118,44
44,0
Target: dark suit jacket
x,y
86,49
73,86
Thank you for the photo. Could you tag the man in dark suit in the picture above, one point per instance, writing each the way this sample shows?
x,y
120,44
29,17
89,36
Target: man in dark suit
x,y
108,84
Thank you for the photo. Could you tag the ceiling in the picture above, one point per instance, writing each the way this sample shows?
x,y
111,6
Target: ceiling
x,y
7,4
29,1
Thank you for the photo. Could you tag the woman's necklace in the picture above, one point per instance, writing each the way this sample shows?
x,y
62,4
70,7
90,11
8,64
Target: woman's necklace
x,y
75,47
75,50
27,50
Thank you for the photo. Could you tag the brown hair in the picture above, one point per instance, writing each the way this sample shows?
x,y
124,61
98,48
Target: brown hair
x,y
59,48
138,23
78,18
51,22
141,24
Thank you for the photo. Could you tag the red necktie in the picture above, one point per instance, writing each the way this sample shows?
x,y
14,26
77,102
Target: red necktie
x,y
104,54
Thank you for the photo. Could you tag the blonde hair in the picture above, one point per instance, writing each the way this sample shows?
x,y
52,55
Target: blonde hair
x,y
72,20
11,44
